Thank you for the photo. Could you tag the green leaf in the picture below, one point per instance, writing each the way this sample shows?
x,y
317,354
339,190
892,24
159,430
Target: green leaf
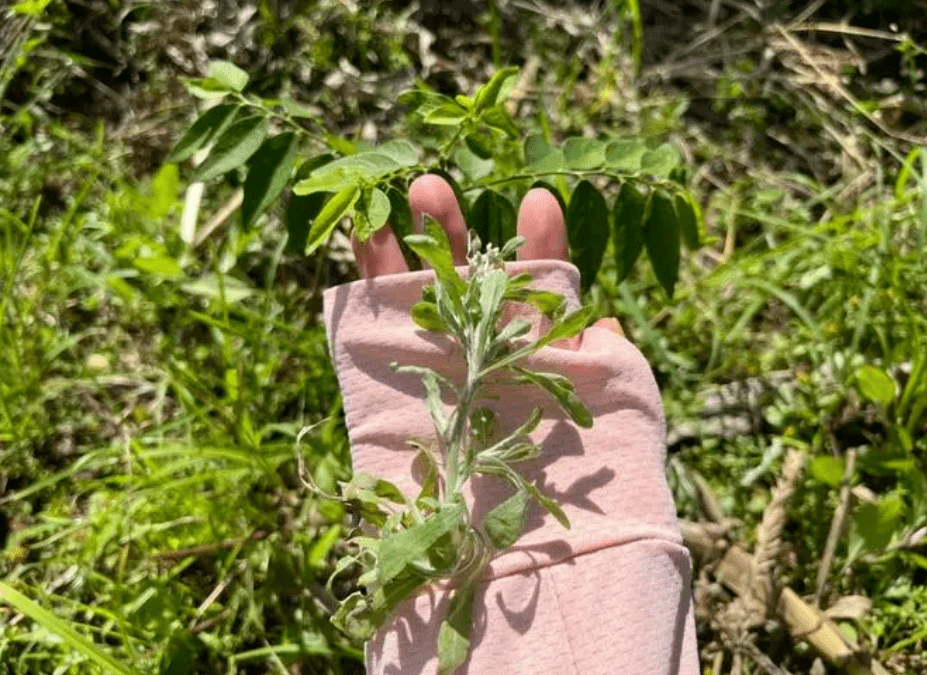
x,y
378,209
480,144
296,110
661,160
455,632
661,237
206,88
208,126
561,389
628,216
161,265
299,213
434,248
552,162
551,506
165,188
483,424
425,315
828,470
569,326
536,148
399,550
401,151
490,94
876,385
499,118
493,217
62,629
336,176
584,154
689,214
505,523
268,172
625,154
450,113
229,74
587,229
233,148
30,7
211,286
873,525
334,210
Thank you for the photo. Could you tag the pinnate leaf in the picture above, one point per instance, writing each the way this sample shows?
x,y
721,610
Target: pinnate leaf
x,y
207,126
335,209
661,237
628,216
587,227
229,74
661,160
269,170
584,153
233,148
689,214
493,217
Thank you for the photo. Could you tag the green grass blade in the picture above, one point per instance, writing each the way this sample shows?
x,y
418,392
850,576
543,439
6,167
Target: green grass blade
x,y
58,626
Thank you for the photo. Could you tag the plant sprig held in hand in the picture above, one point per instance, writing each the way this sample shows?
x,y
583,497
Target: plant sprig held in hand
x,y
432,537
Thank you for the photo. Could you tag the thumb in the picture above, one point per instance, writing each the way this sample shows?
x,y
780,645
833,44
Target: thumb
x,y
609,323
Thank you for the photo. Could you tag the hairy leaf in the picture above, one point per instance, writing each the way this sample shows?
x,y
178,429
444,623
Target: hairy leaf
x,y
561,389
455,632
504,523
398,551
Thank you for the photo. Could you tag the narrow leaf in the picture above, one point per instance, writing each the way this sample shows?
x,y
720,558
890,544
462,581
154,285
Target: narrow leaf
x,y
206,88
268,172
425,315
229,74
455,632
206,127
334,210
493,217
587,228
562,390
400,550
661,237
628,216
450,113
62,629
233,148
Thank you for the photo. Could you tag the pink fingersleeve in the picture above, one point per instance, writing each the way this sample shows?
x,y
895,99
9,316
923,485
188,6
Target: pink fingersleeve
x,y
609,595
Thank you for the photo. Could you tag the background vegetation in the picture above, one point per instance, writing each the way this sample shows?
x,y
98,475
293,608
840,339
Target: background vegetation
x,y
153,493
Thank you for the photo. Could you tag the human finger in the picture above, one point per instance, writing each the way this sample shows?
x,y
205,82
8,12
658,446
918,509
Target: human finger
x,y
430,194
540,222
379,255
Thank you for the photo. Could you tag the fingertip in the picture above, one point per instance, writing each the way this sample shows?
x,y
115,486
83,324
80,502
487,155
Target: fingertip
x,y
432,194
378,255
541,223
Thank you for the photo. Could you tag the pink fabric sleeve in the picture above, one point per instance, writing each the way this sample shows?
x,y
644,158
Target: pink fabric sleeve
x,y
609,595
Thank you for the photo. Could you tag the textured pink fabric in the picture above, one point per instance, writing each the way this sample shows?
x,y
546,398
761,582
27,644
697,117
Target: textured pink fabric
x,y
609,595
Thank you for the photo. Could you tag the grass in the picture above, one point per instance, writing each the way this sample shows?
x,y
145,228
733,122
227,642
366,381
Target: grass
x,y
152,501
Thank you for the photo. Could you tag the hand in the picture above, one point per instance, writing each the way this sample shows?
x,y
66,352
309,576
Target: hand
x,y
540,222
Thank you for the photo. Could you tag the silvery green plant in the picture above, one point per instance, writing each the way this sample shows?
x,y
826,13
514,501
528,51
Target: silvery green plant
x,y
432,537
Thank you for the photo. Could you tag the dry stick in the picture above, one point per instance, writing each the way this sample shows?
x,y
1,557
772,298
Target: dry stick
x,y
836,528
838,86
